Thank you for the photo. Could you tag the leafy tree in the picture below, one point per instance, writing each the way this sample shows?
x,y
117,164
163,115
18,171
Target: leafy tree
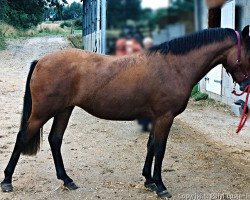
x,y
58,5
121,11
24,14
3,9
72,11
179,11
27,13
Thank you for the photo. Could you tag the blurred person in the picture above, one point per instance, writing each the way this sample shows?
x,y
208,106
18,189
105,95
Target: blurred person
x,y
120,47
145,122
132,46
129,42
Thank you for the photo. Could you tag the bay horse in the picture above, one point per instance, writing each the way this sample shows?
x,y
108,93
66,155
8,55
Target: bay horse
x,y
154,83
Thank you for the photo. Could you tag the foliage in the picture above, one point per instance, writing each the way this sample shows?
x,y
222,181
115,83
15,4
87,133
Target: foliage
x,y
66,24
121,11
147,19
72,11
195,90
50,28
3,9
7,30
24,14
200,96
179,10
78,23
73,24
197,95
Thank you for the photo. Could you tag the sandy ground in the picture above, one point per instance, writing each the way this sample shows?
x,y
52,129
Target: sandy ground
x,y
205,159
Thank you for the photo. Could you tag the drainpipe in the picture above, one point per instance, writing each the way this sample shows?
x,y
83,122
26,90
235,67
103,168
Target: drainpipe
x,y
103,25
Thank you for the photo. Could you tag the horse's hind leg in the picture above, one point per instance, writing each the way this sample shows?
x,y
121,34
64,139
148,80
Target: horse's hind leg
x,y
22,141
55,139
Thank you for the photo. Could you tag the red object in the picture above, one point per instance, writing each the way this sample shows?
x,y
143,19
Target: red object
x,y
244,116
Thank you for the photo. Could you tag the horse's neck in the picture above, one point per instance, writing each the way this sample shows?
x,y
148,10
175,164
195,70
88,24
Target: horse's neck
x,y
200,61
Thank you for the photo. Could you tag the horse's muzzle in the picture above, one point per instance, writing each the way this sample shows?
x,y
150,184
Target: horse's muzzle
x,y
244,84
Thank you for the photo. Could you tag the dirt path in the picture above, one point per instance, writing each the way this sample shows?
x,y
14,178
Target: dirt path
x,y
105,158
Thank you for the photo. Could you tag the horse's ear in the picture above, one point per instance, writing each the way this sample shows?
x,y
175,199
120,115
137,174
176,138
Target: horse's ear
x,y
245,32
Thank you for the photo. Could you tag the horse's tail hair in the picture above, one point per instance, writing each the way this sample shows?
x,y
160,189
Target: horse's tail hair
x,y
32,147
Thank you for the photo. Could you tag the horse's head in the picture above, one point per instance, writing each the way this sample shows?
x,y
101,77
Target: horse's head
x,y
238,59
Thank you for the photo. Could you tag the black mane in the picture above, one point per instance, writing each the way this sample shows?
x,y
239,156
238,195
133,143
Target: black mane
x,y
193,41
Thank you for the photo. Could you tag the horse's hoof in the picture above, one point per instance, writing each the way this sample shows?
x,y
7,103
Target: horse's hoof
x,y
164,194
71,186
151,186
6,187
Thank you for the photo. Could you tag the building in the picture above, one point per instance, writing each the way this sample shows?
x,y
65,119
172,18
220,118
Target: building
x,y
233,14
94,25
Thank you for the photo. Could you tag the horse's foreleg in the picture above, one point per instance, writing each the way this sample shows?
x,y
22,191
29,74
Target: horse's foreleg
x,y
147,169
161,132
55,139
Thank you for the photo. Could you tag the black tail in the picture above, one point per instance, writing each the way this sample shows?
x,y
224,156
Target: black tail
x,y
33,145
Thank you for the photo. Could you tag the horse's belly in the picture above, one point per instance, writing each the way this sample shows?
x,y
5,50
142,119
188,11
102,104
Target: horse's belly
x,y
117,109
121,97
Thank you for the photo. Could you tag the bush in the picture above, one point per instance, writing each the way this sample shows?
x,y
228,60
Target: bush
x,y
200,96
7,30
50,28
66,24
78,24
195,90
197,95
